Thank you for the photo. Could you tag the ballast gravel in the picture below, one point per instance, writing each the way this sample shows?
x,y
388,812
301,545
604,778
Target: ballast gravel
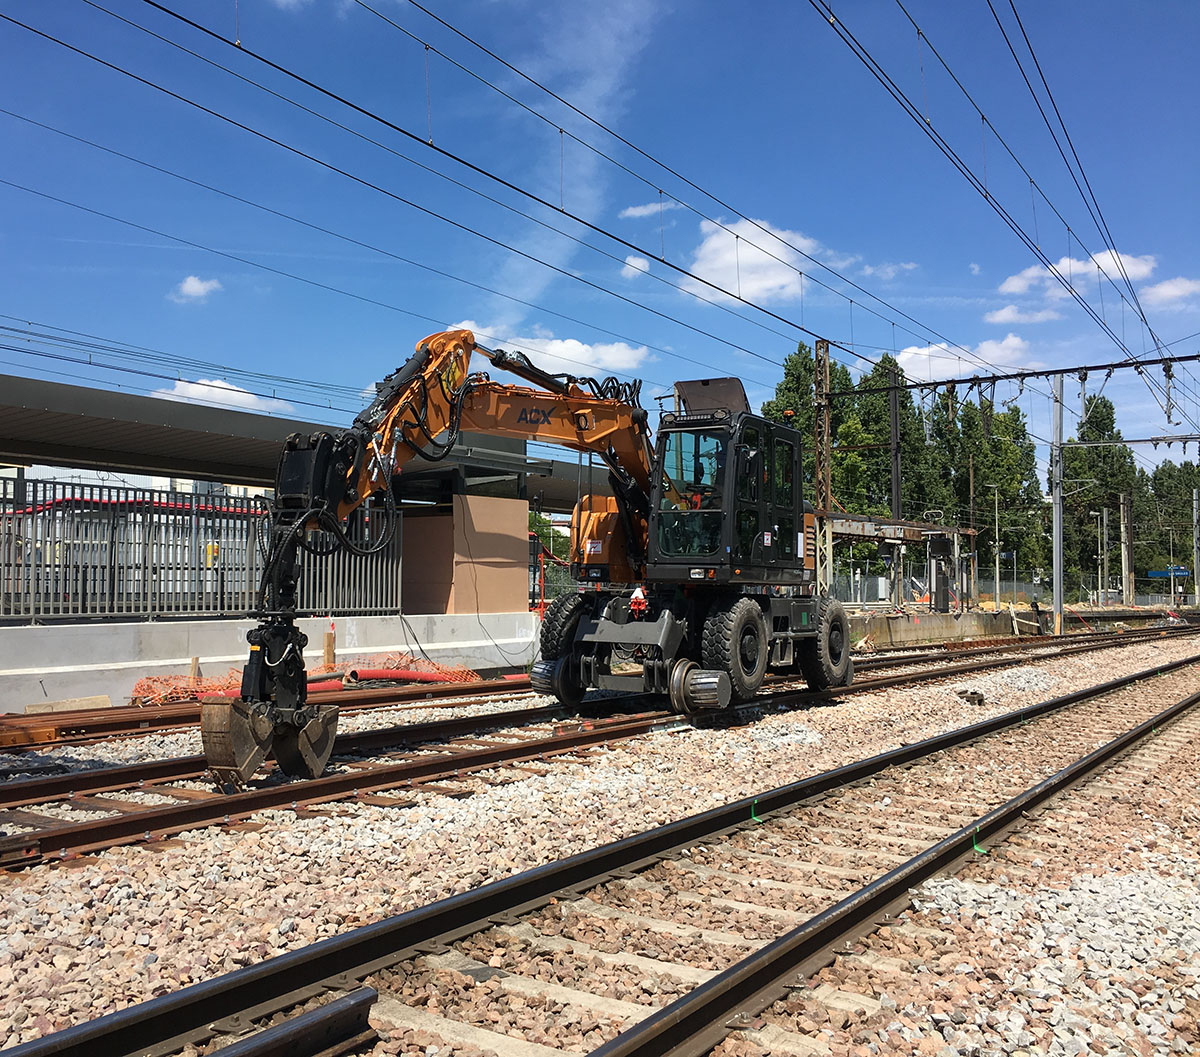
x,y
104,932
169,744
1077,934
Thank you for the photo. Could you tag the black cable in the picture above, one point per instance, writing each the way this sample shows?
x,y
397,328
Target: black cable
x,y
1097,217
662,165
425,168
449,155
499,243
355,242
1105,234
863,55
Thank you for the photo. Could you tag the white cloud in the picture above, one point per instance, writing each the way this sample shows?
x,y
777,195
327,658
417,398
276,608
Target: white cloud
x,y
586,54
887,272
563,355
1008,352
194,290
1171,293
216,392
1013,314
1036,275
291,5
729,257
974,268
650,209
923,363
634,266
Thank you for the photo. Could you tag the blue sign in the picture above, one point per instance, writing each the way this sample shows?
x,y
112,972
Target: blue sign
x,y
1166,574
1007,554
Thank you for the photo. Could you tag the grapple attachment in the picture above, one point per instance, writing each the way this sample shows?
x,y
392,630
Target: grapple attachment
x,y
237,736
303,752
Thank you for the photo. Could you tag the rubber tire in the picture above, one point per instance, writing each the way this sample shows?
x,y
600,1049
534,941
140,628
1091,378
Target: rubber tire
x,y
727,632
559,624
825,660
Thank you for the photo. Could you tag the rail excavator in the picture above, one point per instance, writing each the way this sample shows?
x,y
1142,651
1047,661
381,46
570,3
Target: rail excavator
x,y
696,576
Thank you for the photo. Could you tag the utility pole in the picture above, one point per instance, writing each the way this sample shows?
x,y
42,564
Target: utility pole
x,y
1171,564
822,454
996,547
1196,542
971,591
894,410
1104,589
1126,553
1056,495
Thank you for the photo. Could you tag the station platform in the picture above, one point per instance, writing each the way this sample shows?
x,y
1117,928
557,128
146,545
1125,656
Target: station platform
x,y
56,662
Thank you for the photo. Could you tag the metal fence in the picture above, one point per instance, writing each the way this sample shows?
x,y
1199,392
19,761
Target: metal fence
x,y
72,551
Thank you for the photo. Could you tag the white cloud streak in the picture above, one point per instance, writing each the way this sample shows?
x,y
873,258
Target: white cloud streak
x,y
194,290
887,272
1038,278
1171,293
923,363
1013,314
650,209
565,355
216,392
727,258
634,266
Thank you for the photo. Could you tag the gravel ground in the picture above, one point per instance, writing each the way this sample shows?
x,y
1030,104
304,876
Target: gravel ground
x,y
186,742
101,933
1080,934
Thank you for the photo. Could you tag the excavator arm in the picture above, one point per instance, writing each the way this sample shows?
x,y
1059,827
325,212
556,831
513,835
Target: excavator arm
x,y
417,413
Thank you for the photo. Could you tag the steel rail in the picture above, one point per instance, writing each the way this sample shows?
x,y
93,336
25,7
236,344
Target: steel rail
x,y
110,779
22,731
154,822
336,1026
168,1021
30,791
693,1024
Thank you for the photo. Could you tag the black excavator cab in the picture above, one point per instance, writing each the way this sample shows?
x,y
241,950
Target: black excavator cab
x,y
728,505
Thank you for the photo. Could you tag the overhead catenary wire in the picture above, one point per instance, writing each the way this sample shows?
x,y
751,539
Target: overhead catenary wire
x,y
968,353
823,8
1036,242
499,203
442,151
349,239
666,167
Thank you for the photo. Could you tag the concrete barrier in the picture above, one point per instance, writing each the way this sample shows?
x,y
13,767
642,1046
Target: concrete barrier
x,y
50,662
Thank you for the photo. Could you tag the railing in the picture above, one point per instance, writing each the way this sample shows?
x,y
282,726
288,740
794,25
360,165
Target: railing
x,y
71,551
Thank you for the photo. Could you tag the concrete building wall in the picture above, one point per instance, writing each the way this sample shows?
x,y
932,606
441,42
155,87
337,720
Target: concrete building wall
x,y
491,555
475,560
81,660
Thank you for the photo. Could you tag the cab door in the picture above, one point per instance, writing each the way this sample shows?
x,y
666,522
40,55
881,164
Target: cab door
x,y
753,537
785,526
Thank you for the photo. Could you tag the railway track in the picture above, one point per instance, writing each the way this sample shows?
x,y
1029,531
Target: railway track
x,y
83,726
19,732
670,940
62,816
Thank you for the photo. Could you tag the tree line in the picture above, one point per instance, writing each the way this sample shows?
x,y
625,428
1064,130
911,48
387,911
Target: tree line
x,y
964,453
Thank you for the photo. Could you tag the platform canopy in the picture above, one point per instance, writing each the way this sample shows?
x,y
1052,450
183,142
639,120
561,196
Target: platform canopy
x,y
75,426
72,425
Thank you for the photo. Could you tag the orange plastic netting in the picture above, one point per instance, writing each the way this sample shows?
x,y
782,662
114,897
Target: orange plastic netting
x,y
167,689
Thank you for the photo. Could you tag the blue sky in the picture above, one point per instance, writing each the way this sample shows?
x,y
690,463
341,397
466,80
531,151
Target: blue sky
x,y
768,111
